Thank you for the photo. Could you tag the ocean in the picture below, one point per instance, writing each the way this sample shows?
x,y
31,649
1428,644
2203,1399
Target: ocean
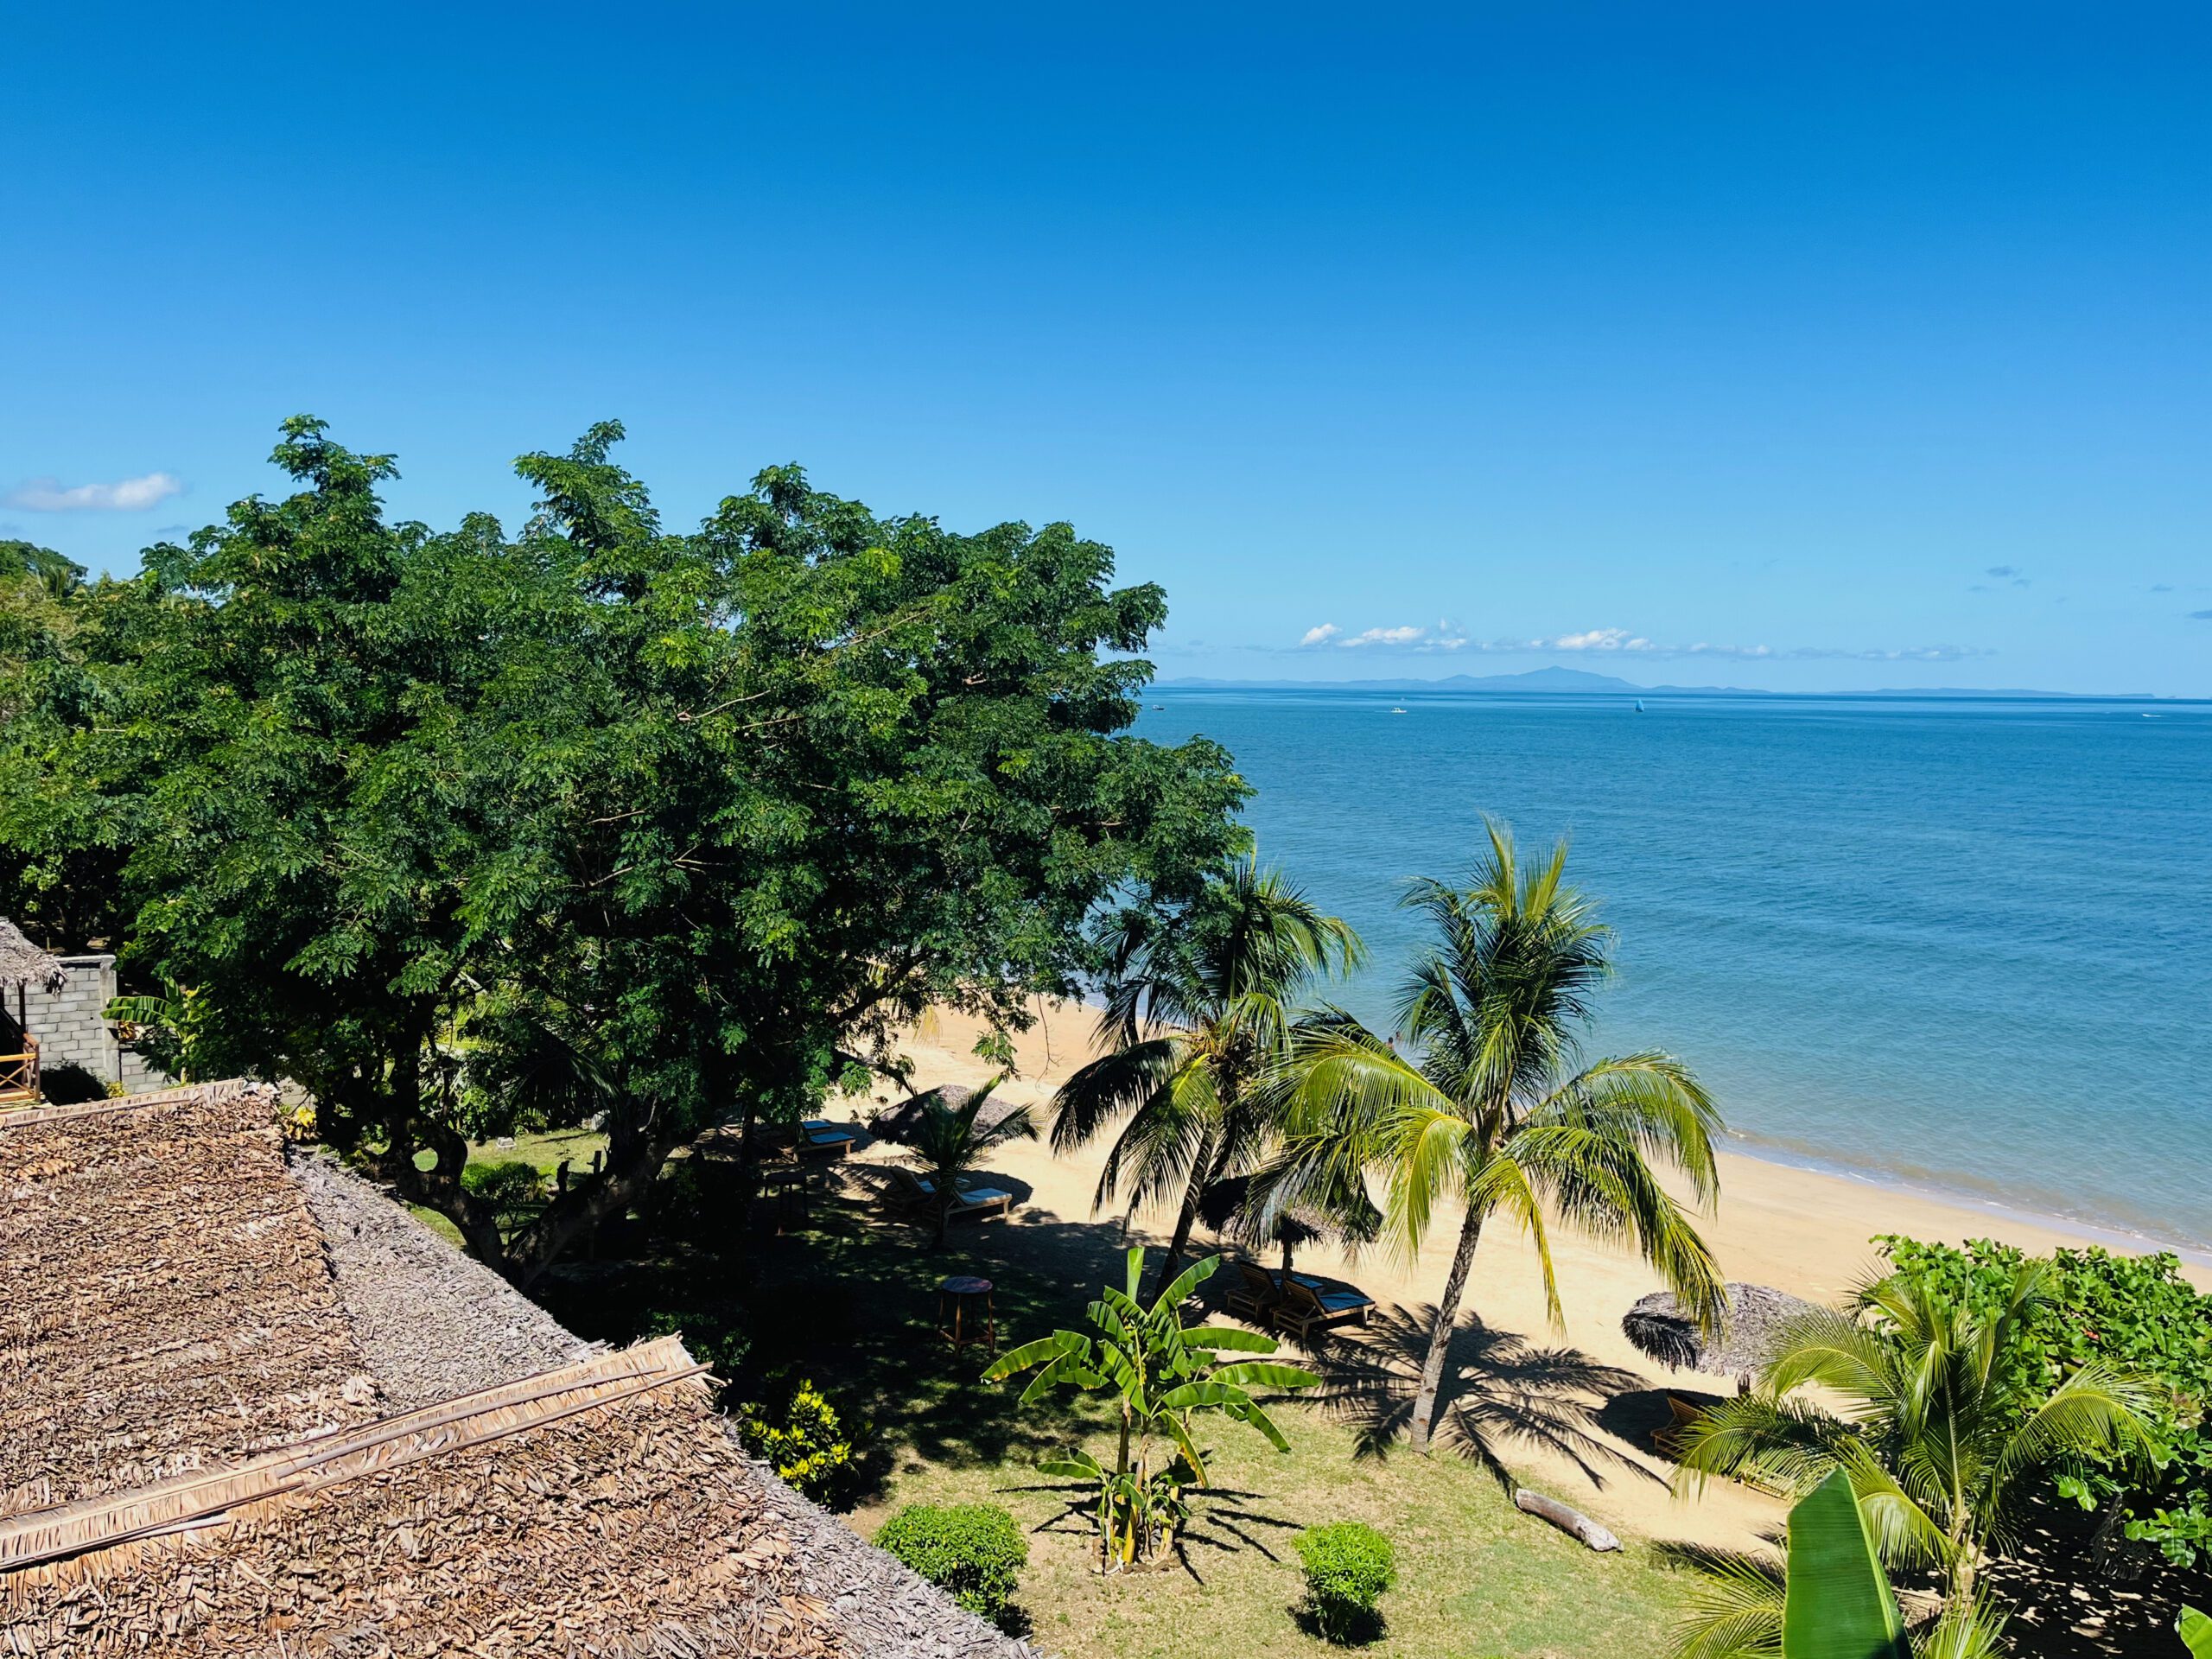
x,y
1960,945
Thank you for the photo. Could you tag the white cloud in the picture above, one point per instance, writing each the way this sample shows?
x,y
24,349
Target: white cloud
x,y
125,495
1448,637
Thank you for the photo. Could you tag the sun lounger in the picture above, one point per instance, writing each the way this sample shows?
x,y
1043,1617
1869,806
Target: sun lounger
x,y
1253,1298
1670,1442
919,1192
823,1140
1305,1309
1259,1291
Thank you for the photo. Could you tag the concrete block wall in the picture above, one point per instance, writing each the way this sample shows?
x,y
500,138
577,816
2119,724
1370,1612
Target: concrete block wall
x,y
70,1030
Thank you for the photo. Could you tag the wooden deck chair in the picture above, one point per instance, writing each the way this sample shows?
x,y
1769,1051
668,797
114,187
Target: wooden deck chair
x,y
1253,1298
1305,1310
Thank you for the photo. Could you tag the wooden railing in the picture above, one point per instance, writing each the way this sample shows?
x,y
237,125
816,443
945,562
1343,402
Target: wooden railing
x,y
19,1072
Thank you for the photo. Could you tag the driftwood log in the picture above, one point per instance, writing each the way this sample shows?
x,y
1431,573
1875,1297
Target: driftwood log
x,y
1573,1523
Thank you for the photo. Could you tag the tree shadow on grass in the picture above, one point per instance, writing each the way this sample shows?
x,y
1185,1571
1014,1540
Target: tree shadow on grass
x,y
847,1299
1499,1389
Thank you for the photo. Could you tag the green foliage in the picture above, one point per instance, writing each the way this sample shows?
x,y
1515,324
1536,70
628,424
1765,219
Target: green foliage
x,y
974,1552
1159,1374
1938,1443
806,1444
512,1191
716,1338
461,830
1839,1605
2137,1314
1349,1566
2195,1629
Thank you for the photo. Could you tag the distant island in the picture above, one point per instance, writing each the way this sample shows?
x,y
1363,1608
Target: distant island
x,y
1582,681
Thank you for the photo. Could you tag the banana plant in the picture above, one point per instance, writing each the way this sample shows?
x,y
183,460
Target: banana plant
x,y
2195,1629
1838,1604
1159,1374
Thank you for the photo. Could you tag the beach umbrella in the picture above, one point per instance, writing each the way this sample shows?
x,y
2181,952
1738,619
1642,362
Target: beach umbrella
x,y
900,1121
1755,1320
1225,1206
23,964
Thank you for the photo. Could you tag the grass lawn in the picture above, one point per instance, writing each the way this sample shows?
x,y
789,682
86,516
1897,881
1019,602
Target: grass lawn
x,y
848,1301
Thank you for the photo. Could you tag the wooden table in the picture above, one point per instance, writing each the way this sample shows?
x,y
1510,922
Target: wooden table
x,y
964,1304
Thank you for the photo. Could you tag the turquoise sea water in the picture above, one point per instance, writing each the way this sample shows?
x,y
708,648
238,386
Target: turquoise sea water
x,y
1964,946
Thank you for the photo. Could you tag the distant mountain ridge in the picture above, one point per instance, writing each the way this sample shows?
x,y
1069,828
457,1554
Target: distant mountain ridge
x,y
1583,681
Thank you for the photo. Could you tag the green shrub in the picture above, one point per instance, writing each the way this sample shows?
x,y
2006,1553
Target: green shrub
x,y
2136,1314
808,1449
71,1084
972,1551
716,1339
1348,1567
515,1191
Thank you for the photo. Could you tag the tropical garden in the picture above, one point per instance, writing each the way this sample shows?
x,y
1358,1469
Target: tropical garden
x,y
557,871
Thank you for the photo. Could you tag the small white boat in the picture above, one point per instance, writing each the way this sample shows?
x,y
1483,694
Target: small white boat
x,y
1397,711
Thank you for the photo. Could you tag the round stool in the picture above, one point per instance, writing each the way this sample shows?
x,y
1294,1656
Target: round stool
x,y
965,1312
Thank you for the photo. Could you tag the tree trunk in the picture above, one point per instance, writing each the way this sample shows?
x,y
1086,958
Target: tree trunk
x,y
586,1205
1423,1425
1202,1171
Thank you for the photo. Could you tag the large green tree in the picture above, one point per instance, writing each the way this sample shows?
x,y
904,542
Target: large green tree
x,y
1485,1099
1198,1008
453,826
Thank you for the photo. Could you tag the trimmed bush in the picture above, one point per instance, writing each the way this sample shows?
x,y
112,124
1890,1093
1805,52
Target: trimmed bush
x,y
972,1551
1348,1567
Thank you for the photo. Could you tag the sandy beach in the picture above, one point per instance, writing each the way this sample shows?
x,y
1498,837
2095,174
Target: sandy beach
x,y
1800,1230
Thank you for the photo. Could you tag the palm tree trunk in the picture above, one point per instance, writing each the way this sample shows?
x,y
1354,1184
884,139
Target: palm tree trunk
x,y
1186,1218
1439,1338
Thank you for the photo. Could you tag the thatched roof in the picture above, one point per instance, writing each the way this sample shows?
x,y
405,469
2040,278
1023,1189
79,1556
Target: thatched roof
x,y
163,1300
1755,1319
899,1123
23,964
599,1510
238,1415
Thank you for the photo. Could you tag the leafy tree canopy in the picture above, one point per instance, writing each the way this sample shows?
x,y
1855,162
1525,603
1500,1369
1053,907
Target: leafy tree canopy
x,y
465,831
2136,1314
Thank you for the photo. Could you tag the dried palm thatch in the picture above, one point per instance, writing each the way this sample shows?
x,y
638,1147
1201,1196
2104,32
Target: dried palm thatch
x,y
599,1509
163,1296
23,964
900,1123
1757,1317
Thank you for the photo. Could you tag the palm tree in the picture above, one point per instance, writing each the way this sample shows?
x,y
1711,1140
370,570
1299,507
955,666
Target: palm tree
x,y
1939,1437
1196,1010
1487,1102
948,1143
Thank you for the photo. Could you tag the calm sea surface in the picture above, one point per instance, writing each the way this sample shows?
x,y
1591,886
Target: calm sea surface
x,y
1963,945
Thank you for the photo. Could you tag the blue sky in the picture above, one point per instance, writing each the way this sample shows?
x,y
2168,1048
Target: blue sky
x,y
1860,345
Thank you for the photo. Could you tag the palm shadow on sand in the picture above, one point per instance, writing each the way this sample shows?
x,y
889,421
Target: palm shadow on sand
x,y
1499,1389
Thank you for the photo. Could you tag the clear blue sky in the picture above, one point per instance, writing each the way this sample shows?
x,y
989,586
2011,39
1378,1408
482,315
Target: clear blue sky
x,y
1776,328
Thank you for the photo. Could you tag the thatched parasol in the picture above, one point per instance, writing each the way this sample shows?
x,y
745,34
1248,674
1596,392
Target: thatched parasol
x,y
1754,1323
23,964
900,1123
1223,1206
